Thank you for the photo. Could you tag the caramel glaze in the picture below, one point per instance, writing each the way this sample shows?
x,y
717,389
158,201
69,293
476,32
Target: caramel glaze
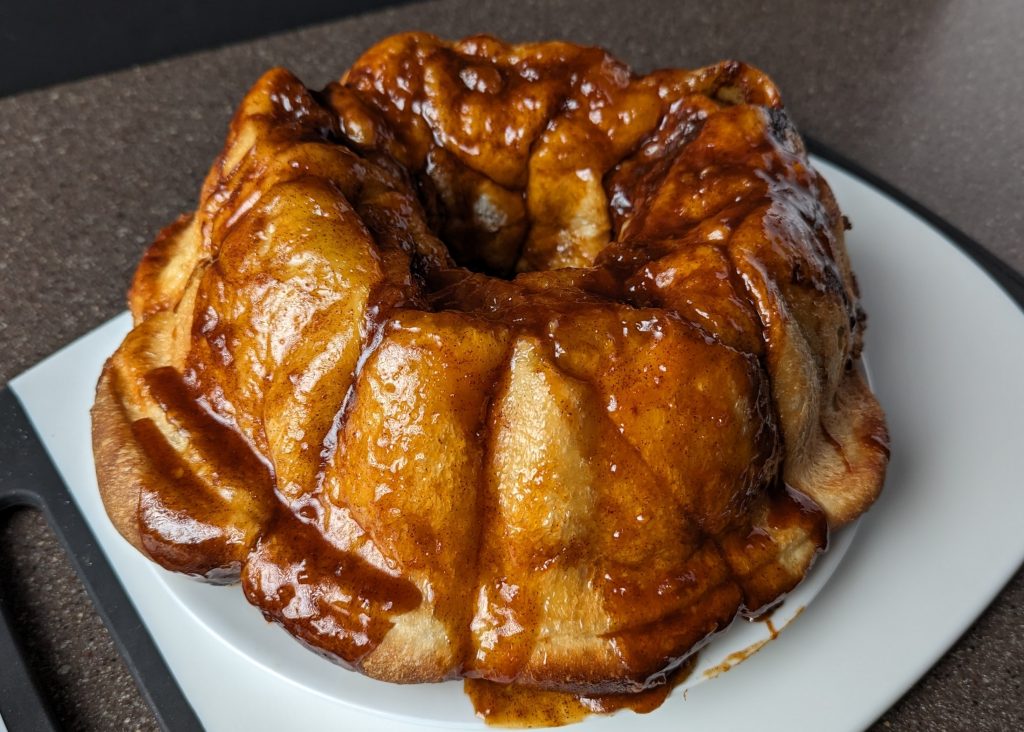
x,y
290,576
488,348
185,526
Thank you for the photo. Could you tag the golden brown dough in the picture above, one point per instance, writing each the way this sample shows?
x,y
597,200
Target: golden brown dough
x,y
497,361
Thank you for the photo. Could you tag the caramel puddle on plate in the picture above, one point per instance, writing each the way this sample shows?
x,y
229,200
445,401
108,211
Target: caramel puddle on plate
x,y
510,705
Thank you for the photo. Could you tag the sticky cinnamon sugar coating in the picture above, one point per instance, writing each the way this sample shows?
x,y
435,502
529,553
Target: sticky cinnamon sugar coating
x,y
497,361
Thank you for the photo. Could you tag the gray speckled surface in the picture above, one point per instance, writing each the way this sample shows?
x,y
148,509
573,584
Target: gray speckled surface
x,y
928,95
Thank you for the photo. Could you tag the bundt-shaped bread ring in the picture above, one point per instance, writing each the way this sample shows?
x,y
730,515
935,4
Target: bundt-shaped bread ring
x,y
497,361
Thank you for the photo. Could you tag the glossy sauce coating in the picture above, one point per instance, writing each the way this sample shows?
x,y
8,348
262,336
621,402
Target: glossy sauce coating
x,y
501,362
510,705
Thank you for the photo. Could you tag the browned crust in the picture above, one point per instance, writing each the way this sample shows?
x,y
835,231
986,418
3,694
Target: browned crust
x,y
120,465
843,467
414,651
162,275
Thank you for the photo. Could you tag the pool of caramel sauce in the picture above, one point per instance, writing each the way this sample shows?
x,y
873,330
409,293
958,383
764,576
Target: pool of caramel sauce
x,y
513,705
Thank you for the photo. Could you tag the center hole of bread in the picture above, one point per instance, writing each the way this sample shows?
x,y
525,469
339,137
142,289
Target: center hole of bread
x,y
483,225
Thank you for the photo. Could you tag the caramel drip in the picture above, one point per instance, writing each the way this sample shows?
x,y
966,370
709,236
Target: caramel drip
x,y
333,601
182,524
237,463
198,519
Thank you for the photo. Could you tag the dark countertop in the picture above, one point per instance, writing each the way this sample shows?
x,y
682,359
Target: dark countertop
x,y
927,95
